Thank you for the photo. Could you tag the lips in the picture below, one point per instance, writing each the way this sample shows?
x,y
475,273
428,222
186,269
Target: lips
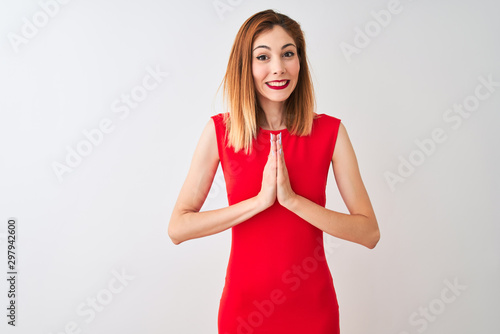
x,y
278,84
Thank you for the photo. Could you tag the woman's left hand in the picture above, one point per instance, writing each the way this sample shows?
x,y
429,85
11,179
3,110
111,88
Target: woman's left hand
x,y
284,191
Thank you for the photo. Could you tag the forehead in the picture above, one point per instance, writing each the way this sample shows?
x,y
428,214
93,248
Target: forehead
x,y
276,37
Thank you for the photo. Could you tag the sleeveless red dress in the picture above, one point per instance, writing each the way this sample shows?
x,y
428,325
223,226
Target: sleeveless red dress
x,y
277,279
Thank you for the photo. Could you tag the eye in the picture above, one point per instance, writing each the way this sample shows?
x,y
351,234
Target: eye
x,y
289,54
262,57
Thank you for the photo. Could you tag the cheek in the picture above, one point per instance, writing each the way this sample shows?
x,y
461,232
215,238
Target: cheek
x,y
295,68
258,72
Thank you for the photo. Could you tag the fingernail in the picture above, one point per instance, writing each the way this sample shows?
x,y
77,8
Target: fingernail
x,y
281,152
280,137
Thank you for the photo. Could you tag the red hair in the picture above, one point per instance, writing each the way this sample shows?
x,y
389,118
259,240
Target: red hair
x,y
239,90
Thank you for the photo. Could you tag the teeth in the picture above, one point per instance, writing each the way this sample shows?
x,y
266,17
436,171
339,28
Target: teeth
x,y
277,84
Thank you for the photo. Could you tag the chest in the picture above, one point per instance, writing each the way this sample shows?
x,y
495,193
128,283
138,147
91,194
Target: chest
x,y
306,158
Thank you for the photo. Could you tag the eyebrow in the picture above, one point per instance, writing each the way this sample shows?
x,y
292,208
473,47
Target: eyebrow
x,y
267,47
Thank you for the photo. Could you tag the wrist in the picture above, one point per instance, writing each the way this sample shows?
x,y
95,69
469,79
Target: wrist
x,y
291,202
260,203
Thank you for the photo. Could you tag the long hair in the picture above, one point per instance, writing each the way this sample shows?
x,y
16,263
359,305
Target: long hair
x,y
239,90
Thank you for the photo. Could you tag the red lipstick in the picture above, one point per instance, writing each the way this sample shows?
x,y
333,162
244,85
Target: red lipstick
x,y
278,84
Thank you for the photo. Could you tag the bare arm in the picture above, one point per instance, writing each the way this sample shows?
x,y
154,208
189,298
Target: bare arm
x,y
360,226
186,221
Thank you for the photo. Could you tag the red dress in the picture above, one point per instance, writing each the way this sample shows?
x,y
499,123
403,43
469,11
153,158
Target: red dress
x,y
277,279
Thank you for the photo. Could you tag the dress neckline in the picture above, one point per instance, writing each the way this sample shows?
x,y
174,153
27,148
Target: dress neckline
x,y
285,130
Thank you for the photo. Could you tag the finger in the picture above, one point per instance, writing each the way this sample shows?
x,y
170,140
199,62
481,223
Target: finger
x,y
280,146
279,151
275,141
271,152
275,145
271,145
272,155
272,149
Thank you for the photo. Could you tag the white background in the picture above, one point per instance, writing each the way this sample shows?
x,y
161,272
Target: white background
x,y
110,213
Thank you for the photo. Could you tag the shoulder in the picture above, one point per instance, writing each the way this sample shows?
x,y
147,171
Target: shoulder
x,y
220,123
220,118
330,124
326,129
326,119
208,141
343,145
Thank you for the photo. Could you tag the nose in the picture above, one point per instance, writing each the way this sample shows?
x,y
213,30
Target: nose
x,y
278,66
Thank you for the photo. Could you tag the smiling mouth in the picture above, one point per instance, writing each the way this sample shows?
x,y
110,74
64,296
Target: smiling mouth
x,y
278,84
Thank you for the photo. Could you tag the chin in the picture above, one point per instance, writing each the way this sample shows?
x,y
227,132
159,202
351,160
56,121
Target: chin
x,y
280,97
276,99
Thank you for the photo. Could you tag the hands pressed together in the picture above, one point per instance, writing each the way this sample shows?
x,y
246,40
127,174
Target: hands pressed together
x,y
275,181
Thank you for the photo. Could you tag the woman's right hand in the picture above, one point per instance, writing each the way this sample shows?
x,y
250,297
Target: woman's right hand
x,y
267,194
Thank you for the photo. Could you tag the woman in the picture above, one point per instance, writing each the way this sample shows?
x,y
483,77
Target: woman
x,y
275,152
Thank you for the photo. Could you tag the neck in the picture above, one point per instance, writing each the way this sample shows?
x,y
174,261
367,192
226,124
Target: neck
x,y
273,111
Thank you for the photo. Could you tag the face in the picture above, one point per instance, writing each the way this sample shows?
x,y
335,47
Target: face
x,y
275,65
